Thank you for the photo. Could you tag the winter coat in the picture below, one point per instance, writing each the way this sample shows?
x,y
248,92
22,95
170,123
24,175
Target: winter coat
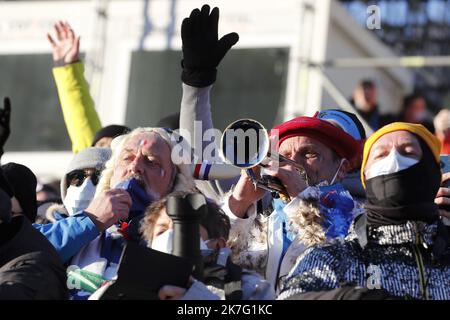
x,y
77,105
267,243
68,235
29,265
396,258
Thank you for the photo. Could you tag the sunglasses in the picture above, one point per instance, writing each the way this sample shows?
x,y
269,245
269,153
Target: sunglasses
x,y
77,177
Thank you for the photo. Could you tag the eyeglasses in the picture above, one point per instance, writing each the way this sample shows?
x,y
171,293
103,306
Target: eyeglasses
x,y
77,177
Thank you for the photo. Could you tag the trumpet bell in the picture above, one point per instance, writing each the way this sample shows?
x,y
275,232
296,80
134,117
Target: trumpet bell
x,y
244,143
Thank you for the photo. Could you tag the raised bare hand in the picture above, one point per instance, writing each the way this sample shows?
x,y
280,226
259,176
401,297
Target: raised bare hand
x,y
66,45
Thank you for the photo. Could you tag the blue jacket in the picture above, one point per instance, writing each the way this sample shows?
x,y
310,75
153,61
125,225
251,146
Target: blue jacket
x,y
69,234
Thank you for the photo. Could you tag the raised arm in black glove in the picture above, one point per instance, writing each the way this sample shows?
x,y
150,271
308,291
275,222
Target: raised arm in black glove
x,y
202,50
5,130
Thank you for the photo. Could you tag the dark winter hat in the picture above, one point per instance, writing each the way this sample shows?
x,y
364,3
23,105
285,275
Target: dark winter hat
x,y
111,131
23,182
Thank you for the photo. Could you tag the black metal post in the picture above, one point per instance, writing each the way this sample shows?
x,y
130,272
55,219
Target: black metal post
x,y
186,213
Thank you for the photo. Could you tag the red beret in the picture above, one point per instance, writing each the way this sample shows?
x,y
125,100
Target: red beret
x,y
323,131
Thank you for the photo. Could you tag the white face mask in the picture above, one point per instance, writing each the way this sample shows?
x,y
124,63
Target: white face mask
x,y
394,162
164,242
78,198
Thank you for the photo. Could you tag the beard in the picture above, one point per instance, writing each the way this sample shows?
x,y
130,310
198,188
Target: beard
x,y
142,183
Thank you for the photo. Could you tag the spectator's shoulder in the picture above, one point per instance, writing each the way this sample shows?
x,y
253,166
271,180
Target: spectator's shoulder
x,y
34,275
334,246
319,268
331,255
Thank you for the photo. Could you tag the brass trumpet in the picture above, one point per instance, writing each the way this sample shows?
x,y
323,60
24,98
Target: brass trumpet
x,y
245,144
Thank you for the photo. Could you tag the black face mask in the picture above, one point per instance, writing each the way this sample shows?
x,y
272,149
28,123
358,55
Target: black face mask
x,y
405,195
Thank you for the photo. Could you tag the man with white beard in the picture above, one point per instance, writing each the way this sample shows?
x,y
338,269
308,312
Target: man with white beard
x,y
139,172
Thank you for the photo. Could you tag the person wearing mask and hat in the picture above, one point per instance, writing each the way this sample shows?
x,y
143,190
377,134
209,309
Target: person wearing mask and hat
x,y
350,123
29,266
81,178
23,182
318,207
400,244
71,227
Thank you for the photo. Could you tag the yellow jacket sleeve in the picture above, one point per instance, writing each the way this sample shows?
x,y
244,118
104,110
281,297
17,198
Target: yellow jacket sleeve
x,y
80,116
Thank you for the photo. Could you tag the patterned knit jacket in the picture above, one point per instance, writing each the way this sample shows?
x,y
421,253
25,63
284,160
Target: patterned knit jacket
x,y
396,258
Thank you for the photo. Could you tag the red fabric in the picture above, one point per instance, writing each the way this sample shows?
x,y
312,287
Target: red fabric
x,y
323,131
197,170
445,147
123,230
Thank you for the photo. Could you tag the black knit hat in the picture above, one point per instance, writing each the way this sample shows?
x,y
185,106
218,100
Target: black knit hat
x,y
111,131
23,183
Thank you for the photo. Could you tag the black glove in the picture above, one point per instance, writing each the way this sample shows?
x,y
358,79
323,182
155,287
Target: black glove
x,y
5,130
202,51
